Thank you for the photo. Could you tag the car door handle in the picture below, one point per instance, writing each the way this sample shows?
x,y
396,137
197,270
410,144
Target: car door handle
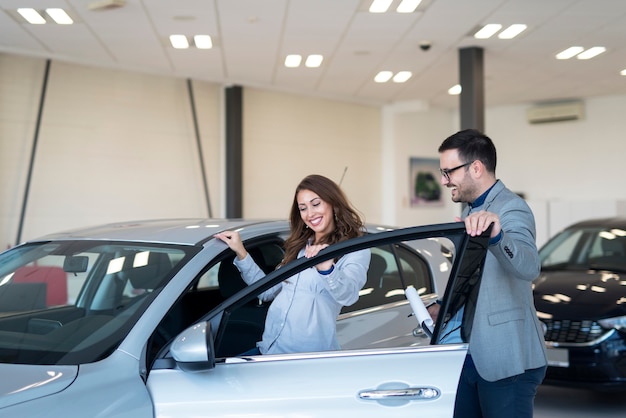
x,y
400,394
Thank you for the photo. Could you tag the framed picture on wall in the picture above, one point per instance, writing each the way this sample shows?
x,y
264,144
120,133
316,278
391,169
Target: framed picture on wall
x,y
424,182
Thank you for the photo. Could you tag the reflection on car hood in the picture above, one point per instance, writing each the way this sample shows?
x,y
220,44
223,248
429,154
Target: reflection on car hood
x,y
578,295
20,383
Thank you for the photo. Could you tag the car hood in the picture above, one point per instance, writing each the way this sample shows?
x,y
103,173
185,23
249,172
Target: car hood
x,y
21,382
579,295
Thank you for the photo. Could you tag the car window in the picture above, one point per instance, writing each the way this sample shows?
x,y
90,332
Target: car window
x,y
73,302
391,270
590,247
562,250
382,299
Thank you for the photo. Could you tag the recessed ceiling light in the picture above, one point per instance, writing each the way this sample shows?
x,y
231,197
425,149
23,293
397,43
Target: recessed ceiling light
x,y
623,72
380,6
314,61
383,76
488,31
32,16
408,6
569,52
203,41
455,90
512,31
402,76
591,52
179,41
59,16
293,60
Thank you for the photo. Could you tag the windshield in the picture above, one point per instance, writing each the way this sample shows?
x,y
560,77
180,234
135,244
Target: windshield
x,y
72,302
589,248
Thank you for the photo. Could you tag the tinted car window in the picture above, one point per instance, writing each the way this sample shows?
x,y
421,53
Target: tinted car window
x,y
73,302
386,279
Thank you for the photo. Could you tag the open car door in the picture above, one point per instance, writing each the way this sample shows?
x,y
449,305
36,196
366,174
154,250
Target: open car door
x,y
407,381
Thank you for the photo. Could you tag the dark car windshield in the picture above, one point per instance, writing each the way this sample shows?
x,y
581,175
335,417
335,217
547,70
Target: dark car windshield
x,y
72,302
599,248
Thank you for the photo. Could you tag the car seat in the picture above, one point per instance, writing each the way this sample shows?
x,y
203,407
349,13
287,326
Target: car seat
x,y
245,324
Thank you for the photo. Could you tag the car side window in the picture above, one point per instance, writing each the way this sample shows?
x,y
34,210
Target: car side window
x,y
387,280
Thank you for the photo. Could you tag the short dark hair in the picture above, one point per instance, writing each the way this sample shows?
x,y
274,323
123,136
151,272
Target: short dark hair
x,y
472,145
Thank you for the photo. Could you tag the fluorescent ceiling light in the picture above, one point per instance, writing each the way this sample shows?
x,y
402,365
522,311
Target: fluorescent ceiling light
x,y
203,41
383,76
293,60
408,6
380,6
32,16
314,61
179,41
455,90
59,16
512,31
402,76
569,52
591,52
488,31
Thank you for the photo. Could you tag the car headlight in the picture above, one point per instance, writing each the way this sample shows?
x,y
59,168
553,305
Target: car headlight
x,y
619,322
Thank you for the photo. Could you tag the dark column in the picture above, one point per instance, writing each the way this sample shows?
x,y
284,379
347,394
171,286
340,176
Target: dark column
x,y
234,148
472,79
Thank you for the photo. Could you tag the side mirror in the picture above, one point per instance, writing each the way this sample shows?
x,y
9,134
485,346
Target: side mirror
x,y
193,348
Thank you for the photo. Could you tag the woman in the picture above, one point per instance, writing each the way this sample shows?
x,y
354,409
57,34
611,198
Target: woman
x,y
305,307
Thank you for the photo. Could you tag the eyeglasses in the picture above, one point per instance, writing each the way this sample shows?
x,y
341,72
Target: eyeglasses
x,y
446,171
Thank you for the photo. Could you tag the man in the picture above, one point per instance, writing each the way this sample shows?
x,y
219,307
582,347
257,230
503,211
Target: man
x,y
506,359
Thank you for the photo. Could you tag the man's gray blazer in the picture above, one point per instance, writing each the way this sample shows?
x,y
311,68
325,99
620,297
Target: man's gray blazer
x,y
506,337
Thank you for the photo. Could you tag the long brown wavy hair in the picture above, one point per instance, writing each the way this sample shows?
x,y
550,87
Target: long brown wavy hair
x,y
348,222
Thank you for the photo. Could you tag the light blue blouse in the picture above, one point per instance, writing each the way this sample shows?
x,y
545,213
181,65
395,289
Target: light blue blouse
x,y
303,314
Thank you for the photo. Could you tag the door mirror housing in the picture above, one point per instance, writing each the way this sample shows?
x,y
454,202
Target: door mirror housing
x,y
193,348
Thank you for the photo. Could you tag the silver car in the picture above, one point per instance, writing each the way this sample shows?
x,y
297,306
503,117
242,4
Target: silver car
x,y
148,319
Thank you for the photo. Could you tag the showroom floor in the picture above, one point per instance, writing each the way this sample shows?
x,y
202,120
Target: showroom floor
x,y
555,402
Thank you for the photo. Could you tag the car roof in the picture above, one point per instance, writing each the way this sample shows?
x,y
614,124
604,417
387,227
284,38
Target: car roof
x,y
183,231
170,231
613,222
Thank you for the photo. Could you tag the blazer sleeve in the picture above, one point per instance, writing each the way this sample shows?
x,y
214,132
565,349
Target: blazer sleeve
x,y
516,251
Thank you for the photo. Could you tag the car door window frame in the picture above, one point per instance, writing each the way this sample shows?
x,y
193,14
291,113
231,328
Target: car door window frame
x,y
464,272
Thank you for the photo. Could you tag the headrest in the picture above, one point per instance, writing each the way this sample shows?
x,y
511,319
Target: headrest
x,y
378,265
147,275
229,278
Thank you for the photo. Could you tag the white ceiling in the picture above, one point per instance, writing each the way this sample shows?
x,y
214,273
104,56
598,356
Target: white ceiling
x,y
252,38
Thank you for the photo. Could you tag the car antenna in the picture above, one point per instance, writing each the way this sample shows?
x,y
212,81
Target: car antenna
x,y
343,175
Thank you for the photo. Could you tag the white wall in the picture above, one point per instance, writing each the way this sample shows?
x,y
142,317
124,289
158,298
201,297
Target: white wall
x,y
118,146
112,146
414,130
288,137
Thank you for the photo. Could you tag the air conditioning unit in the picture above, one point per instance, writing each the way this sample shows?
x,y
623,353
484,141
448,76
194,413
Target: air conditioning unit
x,y
556,112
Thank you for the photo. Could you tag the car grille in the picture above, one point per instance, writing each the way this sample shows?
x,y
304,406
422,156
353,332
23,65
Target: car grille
x,y
573,332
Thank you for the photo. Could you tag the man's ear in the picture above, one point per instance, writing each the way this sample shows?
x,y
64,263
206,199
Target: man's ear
x,y
477,169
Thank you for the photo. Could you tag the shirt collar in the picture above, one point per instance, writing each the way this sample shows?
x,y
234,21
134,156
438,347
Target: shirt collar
x,y
481,199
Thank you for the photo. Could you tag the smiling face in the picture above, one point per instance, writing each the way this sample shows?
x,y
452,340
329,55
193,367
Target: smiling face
x,y
460,182
316,213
